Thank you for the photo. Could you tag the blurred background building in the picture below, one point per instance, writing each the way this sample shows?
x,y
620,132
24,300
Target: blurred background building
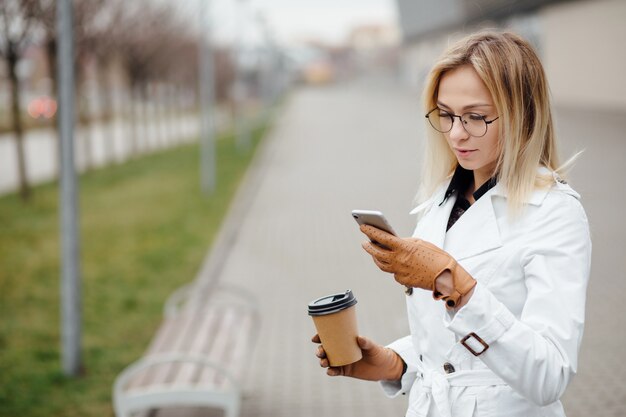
x,y
580,42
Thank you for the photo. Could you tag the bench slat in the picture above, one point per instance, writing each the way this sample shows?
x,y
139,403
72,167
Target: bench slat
x,y
220,347
173,342
204,336
169,330
230,353
239,360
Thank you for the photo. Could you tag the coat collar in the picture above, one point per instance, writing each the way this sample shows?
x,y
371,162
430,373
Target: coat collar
x,y
537,196
477,230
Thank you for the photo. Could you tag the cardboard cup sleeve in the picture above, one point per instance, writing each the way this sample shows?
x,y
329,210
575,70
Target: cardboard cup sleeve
x,y
334,317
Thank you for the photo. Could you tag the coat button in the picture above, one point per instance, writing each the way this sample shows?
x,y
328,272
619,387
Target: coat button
x,y
448,368
408,290
421,358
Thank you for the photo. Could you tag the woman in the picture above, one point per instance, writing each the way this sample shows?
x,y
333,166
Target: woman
x,y
498,267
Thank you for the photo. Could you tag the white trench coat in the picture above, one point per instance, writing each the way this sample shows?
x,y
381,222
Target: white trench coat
x,y
528,306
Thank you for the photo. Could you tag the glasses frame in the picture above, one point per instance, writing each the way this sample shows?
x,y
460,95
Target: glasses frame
x,y
453,116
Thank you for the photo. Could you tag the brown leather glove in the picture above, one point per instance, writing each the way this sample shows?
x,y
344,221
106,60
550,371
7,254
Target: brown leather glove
x,y
417,263
379,363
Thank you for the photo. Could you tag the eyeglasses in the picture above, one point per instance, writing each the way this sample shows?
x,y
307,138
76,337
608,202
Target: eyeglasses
x,y
474,124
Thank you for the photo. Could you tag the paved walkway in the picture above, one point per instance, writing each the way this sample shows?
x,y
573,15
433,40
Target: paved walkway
x,y
600,387
357,145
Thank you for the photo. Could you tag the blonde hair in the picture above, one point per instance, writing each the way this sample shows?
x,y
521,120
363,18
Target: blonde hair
x,y
515,78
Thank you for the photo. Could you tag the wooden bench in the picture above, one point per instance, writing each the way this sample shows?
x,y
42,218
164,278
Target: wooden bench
x,y
198,357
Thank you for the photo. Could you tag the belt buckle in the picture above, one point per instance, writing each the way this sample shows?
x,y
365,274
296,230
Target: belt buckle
x,y
478,339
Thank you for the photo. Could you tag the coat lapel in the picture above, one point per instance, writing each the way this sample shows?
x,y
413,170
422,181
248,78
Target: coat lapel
x,y
433,224
476,231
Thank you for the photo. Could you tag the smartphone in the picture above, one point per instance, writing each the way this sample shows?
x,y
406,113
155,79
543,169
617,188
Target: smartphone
x,y
373,218
377,219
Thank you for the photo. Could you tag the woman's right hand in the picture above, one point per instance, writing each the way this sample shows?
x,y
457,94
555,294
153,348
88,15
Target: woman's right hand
x,y
378,363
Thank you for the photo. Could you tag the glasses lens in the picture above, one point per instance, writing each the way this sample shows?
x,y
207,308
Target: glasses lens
x,y
440,120
474,124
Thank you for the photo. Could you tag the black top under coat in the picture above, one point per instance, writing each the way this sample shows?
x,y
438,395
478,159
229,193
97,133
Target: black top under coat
x,y
459,184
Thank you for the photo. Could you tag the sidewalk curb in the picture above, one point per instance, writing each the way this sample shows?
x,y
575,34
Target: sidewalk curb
x,y
217,256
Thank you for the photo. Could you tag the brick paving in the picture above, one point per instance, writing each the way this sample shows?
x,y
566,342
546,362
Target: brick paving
x,y
599,389
357,145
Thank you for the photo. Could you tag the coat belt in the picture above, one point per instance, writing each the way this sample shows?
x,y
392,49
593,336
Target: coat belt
x,y
438,385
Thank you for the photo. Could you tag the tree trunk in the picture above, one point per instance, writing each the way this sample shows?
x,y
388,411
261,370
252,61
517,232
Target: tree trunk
x,y
157,124
51,53
143,102
163,97
171,112
162,100
157,107
24,187
84,117
182,113
134,120
106,114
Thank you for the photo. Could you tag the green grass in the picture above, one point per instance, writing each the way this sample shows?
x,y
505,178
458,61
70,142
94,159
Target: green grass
x,y
145,228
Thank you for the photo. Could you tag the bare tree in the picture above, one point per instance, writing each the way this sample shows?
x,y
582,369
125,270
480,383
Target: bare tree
x,y
175,64
45,13
16,19
85,13
134,44
102,44
151,39
183,73
87,37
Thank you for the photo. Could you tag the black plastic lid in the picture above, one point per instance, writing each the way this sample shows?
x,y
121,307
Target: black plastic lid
x,y
331,303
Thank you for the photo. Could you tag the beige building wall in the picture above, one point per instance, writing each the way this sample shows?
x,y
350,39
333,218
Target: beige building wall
x,y
582,45
584,53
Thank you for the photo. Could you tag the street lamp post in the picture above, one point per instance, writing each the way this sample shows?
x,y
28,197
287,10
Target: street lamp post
x,y
242,131
68,201
208,171
268,69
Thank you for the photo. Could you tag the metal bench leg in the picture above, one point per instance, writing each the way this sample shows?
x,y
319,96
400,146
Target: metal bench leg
x,y
233,408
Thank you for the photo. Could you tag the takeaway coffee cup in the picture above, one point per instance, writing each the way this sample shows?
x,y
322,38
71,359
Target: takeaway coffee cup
x,y
335,320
